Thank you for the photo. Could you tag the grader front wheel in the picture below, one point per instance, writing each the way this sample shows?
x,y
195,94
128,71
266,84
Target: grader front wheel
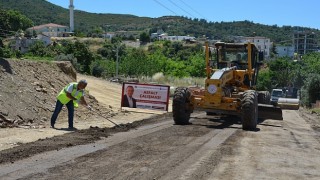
x,y
249,108
180,106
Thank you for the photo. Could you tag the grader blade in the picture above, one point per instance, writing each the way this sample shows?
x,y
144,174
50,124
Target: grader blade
x,y
266,111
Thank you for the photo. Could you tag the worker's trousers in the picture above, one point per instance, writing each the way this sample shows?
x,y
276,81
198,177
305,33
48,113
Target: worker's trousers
x,y
57,110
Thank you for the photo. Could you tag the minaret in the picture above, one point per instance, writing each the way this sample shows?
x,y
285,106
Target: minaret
x,y
71,7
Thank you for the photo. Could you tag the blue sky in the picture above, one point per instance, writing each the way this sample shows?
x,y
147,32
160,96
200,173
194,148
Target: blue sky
x,y
270,12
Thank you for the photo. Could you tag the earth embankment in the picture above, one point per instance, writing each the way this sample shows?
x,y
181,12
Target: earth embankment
x,y
28,91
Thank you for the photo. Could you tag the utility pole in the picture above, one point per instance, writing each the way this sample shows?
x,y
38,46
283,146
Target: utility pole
x,y
117,63
106,27
105,33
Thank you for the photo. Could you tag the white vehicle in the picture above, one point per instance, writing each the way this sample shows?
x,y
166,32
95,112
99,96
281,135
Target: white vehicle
x,y
285,99
275,95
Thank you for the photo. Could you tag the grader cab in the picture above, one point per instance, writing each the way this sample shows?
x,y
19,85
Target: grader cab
x,y
229,87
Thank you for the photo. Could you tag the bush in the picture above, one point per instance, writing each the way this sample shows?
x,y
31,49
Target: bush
x,y
311,90
103,68
6,52
80,51
70,58
264,80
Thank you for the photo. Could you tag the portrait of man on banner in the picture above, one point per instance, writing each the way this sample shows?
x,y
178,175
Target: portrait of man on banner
x,y
128,100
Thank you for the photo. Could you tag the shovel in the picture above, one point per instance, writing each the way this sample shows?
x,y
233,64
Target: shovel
x,y
107,119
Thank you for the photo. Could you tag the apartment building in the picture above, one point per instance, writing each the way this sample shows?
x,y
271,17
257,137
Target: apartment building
x,y
263,44
304,42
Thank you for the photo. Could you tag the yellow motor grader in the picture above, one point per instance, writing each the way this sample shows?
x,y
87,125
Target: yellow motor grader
x,y
229,87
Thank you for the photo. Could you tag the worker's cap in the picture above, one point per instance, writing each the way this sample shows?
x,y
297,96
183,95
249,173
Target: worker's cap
x,y
83,81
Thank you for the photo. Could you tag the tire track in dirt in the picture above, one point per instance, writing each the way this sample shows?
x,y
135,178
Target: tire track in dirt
x,y
285,149
41,162
158,154
208,154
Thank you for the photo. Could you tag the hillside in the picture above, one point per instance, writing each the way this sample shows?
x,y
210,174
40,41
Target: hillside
x,y
28,92
41,12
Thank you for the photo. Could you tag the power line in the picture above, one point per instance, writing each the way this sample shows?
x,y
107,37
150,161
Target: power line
x,y
181,8
165,7
192,9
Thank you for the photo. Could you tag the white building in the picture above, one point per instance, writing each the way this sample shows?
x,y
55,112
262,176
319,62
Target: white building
x,y
45,39
285,51
156,34
175,38
262,43
108,35
23,44
51,30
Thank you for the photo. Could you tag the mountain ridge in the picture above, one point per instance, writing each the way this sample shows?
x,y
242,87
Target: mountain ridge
x,y
43,12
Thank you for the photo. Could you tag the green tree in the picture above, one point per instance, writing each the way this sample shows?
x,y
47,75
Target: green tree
x,y
311,89
103,68
28,34
11,21
136,63
116,40
79,33
157,61
68,57
144,37
176,69
264,80
109,50
281,72
38,49
197,65
1,43
311,63
84,56
6,52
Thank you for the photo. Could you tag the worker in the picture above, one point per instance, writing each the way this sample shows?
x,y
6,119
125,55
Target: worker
x,y
70,96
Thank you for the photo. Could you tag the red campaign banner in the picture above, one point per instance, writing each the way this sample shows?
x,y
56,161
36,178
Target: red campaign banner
x,y
145,96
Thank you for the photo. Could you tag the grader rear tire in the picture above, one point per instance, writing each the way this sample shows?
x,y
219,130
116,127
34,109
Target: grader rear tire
x,y
181,112
264,97
249,110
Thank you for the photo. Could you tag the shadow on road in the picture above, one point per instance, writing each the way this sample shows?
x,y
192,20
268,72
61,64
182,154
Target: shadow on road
x,y
222,122
218,122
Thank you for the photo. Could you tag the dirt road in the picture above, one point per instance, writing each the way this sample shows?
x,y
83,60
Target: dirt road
x,y
211,147
108,94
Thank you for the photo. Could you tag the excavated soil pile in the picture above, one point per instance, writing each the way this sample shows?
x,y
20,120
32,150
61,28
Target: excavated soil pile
x,y
28,91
